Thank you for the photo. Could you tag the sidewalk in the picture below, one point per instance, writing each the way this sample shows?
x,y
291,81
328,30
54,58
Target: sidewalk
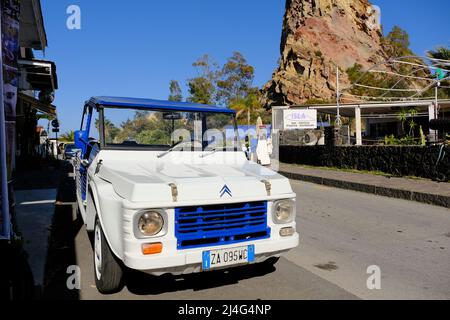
x,y
34,213
35,196
420,190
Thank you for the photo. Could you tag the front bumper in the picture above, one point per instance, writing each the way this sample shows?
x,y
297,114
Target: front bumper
x,y
178,262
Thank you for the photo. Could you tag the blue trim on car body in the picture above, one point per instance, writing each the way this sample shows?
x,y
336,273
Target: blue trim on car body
x,y
152,104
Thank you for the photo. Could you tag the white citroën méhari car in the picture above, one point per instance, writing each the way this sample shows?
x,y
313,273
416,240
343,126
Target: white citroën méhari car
x,y
166,188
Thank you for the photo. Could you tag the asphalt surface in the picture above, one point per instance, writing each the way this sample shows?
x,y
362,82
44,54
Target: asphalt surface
x,y
342,234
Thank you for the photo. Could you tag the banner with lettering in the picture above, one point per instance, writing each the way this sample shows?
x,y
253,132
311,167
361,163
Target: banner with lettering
x,y
10,50
10,17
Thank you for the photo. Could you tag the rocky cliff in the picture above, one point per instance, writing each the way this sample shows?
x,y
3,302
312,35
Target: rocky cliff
x,y
317,36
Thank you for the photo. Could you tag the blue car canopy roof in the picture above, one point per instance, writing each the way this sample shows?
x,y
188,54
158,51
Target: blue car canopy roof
x,y
151,104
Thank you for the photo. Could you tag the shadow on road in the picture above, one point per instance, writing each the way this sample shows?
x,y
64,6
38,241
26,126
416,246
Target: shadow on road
x,y
140,283
16,278
61,251
61,254
16,275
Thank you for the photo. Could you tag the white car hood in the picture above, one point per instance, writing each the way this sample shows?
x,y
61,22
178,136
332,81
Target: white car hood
x,y
142,177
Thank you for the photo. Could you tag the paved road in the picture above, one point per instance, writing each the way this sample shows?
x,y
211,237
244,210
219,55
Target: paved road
x,y
342,234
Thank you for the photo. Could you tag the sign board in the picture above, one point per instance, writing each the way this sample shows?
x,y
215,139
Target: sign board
x,y
55,123
299,119
172,116
55,130
440,74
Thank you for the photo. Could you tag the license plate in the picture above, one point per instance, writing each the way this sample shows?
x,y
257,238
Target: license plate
x,y
226,257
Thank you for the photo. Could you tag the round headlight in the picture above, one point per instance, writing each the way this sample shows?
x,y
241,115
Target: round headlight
x,y
283,211
150,223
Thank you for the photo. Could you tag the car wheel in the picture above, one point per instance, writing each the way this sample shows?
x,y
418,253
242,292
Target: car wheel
x,y
108,270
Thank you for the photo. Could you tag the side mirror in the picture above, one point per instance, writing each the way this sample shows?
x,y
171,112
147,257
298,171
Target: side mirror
x,y
80,141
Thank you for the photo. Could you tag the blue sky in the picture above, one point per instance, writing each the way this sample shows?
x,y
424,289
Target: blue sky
x,y
135,47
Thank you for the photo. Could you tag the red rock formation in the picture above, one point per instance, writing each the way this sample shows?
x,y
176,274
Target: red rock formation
x,y
317,36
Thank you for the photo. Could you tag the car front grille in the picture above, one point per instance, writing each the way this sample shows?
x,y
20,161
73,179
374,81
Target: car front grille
x,y
214,225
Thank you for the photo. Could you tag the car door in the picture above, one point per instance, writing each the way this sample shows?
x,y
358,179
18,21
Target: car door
x,y
87,141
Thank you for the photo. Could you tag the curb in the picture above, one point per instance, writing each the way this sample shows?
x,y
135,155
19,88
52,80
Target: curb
x,y
433,199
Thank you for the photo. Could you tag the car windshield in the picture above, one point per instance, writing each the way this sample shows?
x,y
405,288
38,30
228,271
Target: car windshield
x,y
166,129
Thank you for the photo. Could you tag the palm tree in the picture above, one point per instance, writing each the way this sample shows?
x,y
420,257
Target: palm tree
x,y
247,106
69,136
403,116
442,53
412,126
110,130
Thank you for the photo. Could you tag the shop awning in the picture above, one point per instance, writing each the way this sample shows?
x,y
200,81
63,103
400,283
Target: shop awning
x,y
32,31
381,109
37,75
38,105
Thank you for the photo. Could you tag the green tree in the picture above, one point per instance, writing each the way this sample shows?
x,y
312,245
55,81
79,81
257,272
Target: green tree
x,y
111,131
397,43
156,136
442,53
248,108
69,136
404,114
202,89
356,74
236,79
175,91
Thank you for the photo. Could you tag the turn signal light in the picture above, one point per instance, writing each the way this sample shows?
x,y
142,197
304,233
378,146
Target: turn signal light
x,y
152,248
287,232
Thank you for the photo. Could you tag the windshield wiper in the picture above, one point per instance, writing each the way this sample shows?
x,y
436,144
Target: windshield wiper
x,y
211,152
169,151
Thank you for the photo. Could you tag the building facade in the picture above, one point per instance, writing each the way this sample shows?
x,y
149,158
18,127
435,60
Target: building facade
x,y
27,88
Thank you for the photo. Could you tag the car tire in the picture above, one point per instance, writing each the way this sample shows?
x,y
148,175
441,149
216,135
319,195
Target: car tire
x,y
108,270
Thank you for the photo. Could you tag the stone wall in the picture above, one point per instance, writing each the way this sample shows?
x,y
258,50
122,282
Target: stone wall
x,y
396,160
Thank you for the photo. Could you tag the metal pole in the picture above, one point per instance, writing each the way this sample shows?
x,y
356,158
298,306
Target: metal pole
x,y
6,219
57,147
338,96
436,101
47,143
